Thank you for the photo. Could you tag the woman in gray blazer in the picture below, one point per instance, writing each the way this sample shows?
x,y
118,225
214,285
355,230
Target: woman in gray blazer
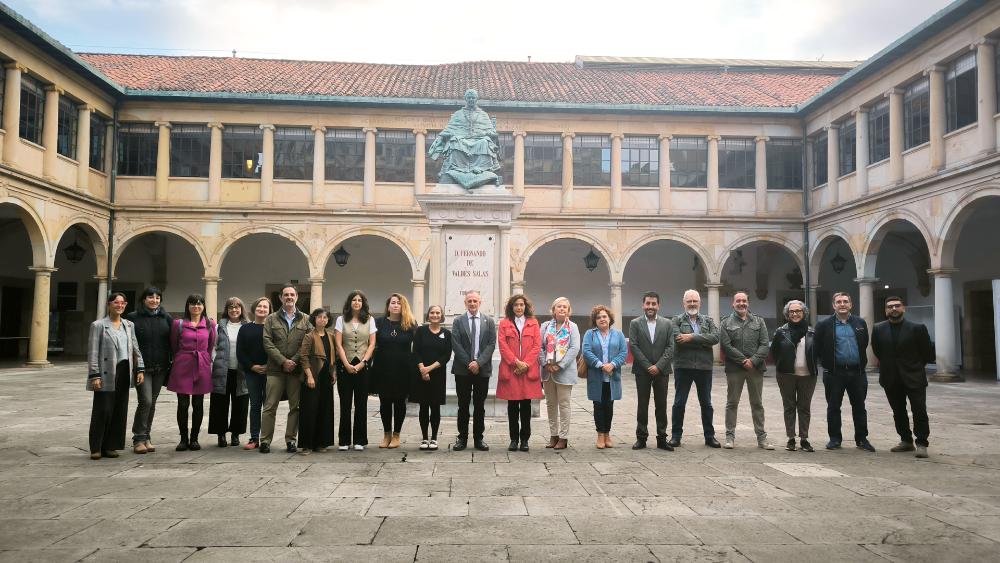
x,y
230,396
113,356
560,347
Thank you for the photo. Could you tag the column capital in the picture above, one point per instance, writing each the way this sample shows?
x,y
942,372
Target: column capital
x,y
520,134
101,278
419,131
713,285
504,228
316,128
162,124
618,136
714,138
934,68
215,125
894,92
266,126
859,110
436,229
942,272
666,137
761,139
982,41
211,279
418,282
367,130
16,66
54,88
43,270
567,134
866,280
814,286
831,127
616,285
315,280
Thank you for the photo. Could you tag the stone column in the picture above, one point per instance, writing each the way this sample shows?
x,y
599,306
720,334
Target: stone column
x,y
833,162
215,163
50,131
616,298
713,173
760,175
944,326
713,311
267,167
567,170
102,296
866,306
163,161
316,294
861,150
319,164
938,121
417,301
517,287
616,171
986,52
83,147
419,162
519,162
895,96
38,346
212,296
437,255
368,195
505,266
665,173
11,109
812,303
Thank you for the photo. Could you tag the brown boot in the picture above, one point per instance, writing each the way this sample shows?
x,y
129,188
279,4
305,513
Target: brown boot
x,y
607,440
561,444
553,440
386,437
600,440
149,447
139,448
394,443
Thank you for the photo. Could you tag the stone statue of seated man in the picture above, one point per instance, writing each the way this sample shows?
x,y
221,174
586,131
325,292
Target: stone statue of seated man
x,y
470,147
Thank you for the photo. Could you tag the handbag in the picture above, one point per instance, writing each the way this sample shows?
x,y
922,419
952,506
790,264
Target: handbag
x,y
581,364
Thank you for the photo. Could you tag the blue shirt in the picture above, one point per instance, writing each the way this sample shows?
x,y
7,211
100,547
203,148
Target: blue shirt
x,y
288,319
695,327
845,346
605,341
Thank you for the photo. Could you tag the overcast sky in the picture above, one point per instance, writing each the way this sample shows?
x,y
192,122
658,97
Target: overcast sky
x,y
421,31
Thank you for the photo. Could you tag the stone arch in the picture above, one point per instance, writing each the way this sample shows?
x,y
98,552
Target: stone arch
x,y
823,242
708,264
323,259
98,240
159,228
223,248
614,269
41,247
882,227
790,246
953,223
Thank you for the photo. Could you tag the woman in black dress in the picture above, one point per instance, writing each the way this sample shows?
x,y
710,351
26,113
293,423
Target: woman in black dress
x,y
432,348
394,365
316,403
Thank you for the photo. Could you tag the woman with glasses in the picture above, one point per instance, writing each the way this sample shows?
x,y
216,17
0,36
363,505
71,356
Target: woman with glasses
x,y
192,340
792,350
230,396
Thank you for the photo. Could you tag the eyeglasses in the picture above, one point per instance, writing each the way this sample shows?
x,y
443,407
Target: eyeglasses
x,y
894,306
234,307
795,312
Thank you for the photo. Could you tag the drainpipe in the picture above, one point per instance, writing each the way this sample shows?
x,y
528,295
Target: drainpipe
x,y
806,277
114,178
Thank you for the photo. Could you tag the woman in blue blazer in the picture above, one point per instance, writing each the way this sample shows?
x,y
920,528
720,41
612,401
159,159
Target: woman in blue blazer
x,y
605,352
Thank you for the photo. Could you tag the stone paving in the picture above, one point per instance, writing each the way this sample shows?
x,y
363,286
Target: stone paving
x,y
694,504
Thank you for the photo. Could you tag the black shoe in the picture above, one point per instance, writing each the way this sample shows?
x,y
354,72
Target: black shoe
x,y
524,446
513,446
661,443
235,441
712,442
222,441
482,446
290,447
866,446
903,447
194,446
183,445
264,448
790,446
806,446
674,442
109,453
639,444
459,444
833,445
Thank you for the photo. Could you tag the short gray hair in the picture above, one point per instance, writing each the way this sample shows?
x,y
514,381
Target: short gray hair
x,y
805,308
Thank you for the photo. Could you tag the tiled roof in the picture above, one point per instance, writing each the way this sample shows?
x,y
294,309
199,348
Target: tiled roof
x,y
547,83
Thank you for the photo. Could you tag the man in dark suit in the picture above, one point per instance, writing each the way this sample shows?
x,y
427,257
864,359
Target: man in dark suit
x,y
651,338
904,349
473,339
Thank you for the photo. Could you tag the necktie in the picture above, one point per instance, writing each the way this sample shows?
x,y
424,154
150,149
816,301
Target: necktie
x,y
472,337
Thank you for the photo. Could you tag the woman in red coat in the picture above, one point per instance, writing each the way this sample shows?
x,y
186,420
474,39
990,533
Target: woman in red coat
x,y
520,375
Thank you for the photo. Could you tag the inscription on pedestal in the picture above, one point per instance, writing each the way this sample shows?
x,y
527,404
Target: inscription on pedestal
x,y
470,264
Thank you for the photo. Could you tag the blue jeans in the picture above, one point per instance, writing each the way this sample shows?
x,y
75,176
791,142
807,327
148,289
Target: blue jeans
x,y
855,384
702,379
257,385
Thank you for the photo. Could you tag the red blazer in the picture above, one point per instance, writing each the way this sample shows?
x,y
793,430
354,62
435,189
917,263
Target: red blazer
x,y
526,347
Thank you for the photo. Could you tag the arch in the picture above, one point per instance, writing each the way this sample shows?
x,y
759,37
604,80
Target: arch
x,y
159,228
951,229
614,270
822,243
791,247
331,246
706,259
882,227
41,248
98,240
214,266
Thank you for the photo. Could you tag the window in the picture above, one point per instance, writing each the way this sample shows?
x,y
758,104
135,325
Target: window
x,y
432,168
846,143
784,164
394,156
66,132
917,114
293,153
66,296
819,159
32,109
640,161
737,163
878,132
507,158
190,150
98,140
543,160
345,155
242,144
137,144
688,162
592,160
960,94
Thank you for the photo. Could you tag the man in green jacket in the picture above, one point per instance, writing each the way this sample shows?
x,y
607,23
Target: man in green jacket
x,y
745,346
694,336
284,330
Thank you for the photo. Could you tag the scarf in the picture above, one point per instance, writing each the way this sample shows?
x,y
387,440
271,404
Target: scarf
x,y
797,331
556,341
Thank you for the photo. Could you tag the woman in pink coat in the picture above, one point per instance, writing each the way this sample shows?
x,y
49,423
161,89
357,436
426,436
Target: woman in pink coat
x,y
520,376
192,340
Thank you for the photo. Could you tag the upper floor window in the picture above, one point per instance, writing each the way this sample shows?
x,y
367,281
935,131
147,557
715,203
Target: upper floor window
x,y
242,151
293,153
432,168
190,150
98,141
507,158
689,162
32,109
137,145
916,114
640,161
878,132
960,92
592,160
543,160
345,155
847,143
394,156
737,163
68,119
784,164
819,159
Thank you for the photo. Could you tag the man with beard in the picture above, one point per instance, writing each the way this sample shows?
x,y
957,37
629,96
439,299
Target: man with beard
x,y
651,340
904,349
695,334
284,330
745,345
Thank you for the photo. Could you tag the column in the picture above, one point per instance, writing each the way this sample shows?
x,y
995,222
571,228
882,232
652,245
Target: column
x,y
417,300
986,51
866,306
713,311
436,267
50,130
760,175
38,346
713,173
368,195
215,164
11,109
944,326
83,147
861,150
517,287
812,303
267,167
833,163
616,298
162,160
102,296
505,266
319,164
316,293
937,117
212,296
616,171
567,170
665,173
519,162
419,162
895,96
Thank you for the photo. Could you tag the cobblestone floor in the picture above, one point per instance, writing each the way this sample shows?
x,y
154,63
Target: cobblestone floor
x,y
694,504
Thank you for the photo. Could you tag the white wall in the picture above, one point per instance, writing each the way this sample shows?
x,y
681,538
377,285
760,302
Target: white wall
x,y
376,266
183,270
557,269
257,261
666,267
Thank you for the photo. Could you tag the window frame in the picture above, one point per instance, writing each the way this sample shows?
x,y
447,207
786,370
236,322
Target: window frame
x,y
344,152
140,140
820,154
190,150
98,142
293,153
784,173
878,132
236,140
32,117
692,153
539,149
961,92
67,123
737,163
395,156
585,148
847,151
917,114
640,161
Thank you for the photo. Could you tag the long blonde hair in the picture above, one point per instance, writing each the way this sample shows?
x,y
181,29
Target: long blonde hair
x,y
406,318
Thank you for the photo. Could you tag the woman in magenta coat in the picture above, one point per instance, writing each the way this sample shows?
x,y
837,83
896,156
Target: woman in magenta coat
x,y
192,340
520,380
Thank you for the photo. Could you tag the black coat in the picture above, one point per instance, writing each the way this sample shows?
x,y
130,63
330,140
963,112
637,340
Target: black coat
x,y
904,361
152,330
783,350
826,338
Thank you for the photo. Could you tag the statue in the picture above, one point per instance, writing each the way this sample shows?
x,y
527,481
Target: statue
x,y
470,147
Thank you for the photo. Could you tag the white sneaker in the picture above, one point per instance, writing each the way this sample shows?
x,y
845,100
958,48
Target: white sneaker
x,y
343,448
765,445
432,445
358,447
424,444
729,444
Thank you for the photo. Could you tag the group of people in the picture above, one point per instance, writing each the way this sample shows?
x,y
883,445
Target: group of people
x,y
250,361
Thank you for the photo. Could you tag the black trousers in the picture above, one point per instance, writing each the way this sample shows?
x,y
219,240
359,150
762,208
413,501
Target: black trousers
x,y
658,384
855,384
197,405
220,418
392,411
353,391
471,388
519,419
109,415
898,393
316,413
604,410
430,414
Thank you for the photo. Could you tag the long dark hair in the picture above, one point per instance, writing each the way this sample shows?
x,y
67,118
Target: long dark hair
x,y
348,313
529,309
194,299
